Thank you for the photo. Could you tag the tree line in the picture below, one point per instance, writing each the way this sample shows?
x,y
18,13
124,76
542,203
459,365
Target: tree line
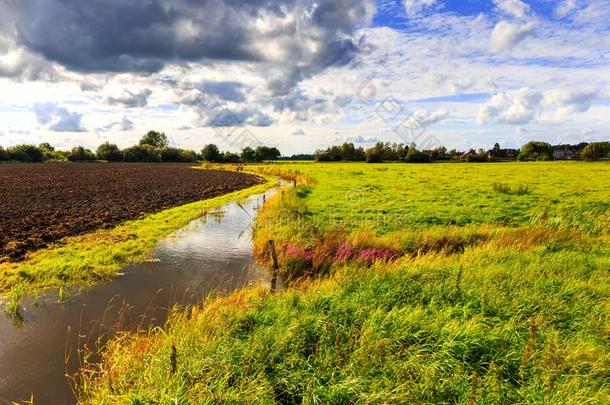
x,y
394,152
153,147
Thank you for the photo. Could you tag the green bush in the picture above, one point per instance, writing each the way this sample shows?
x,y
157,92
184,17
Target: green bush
x,y
26,153
110,152
171,154
3,154
595,151
142,153
80,154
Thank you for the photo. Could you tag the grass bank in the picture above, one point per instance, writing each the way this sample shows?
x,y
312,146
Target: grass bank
x,y
387,306
86,259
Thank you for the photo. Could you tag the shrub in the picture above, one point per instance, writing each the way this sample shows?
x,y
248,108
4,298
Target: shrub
x,y
3,154
141,153
595,151
110,152
80,154
26,153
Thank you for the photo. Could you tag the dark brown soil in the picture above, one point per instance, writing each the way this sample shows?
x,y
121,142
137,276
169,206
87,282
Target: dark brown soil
x,y
42,203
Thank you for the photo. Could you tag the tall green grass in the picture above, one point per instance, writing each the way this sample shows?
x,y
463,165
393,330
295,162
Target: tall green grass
x,y
475,308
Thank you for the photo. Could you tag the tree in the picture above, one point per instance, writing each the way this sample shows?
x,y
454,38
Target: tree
x,y
154,138
210,153
109,151
595,151
415,156
267,153
3,154
374,154
142,153
80,154
248,154
26,153
230,157
536,151
46,147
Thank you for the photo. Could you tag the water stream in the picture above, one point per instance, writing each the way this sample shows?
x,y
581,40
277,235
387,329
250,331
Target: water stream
x,y
212,254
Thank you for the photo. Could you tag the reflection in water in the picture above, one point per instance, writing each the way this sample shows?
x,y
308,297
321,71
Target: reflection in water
x,y
209,255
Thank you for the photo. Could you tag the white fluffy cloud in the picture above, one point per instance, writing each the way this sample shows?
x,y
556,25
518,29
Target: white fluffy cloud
x,y
57,118
506,35
525,105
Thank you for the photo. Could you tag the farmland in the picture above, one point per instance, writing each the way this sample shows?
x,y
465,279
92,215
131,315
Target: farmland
x,y
62,224
405,284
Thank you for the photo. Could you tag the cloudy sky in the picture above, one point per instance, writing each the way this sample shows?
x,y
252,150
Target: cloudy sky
x,y
301,74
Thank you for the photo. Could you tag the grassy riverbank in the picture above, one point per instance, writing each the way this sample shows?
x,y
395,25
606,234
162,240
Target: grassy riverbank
x,y
409,284
86,259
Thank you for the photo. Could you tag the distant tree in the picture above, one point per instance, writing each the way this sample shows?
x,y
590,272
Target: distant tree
x,y
439,153
536,151
248,154
595,151
496,147
3,154
46,147
375,154
154,138
210,153
267,153
230,157
171,154
142,153
415,156
26,153
80,154
109,151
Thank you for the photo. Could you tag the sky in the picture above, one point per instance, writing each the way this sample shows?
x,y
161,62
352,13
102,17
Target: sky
x,y
303,75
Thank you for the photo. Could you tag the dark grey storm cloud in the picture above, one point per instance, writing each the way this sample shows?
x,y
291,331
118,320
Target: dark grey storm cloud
x,y
131,99
227,91
145,35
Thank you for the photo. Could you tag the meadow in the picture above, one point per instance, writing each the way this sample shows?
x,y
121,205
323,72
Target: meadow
x,y
444,283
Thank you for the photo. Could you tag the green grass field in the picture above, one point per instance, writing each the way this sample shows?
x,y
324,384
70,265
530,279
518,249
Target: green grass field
x,y
444,283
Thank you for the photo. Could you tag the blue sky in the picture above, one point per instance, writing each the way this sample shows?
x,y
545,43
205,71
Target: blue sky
x,y
303,75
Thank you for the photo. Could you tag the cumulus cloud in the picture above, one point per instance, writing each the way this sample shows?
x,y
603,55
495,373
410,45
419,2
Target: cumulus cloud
x,y
515,8
424,118
57,118
505,35
130,99
414,8
296,38
125,124
525,105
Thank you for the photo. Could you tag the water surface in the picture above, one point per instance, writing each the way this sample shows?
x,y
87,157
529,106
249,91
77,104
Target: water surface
x,y
210,255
